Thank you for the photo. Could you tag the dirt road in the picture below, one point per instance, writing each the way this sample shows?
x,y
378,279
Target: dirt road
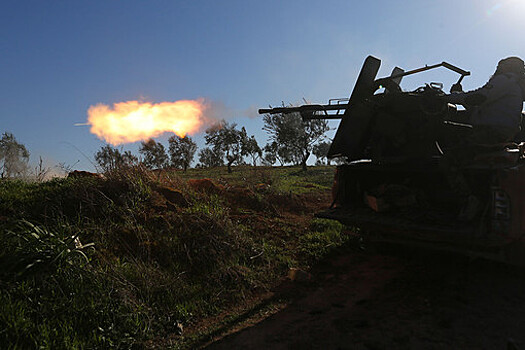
x,y
409,300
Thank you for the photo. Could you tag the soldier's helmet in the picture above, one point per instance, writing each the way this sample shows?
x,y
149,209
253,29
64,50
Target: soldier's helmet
x,y
511,65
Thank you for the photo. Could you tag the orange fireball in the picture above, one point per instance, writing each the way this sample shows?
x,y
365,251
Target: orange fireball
x,y
133,121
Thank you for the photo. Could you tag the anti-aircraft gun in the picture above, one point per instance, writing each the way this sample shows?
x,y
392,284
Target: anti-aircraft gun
x,y
395,180
363,110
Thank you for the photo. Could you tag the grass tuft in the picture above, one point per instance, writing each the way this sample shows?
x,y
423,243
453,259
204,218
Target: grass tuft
x,y
132,258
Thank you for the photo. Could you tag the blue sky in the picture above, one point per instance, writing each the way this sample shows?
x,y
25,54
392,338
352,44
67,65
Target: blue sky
x,y
60,57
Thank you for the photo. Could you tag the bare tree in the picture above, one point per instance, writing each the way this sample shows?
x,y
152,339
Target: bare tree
x,y
181,151
66,168
41,171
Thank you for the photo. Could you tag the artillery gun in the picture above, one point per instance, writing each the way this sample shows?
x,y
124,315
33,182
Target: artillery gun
x,y
394,183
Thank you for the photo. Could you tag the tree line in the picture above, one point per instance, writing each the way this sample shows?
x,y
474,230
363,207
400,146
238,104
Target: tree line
x,y
291,141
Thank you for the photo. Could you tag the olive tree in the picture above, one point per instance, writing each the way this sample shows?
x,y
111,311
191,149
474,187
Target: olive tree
x,y
224,138
14,157
296,136
252,149
110,158
154,154
320,151
209,158
276,152
181,151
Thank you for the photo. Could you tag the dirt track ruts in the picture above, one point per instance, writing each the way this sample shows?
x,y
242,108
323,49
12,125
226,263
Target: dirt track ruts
x,y
408,300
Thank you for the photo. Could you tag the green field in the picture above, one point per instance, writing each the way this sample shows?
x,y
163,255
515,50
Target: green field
x,y
135,258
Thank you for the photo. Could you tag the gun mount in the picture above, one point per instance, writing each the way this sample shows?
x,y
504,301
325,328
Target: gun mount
x,y
364,110
339,105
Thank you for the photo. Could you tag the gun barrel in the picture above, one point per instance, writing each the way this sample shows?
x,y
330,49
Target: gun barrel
x,y
304,108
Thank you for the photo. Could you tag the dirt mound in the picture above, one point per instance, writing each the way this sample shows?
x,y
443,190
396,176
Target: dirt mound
x,y
300,203
172,196
241,197
288,202
206,186
77,174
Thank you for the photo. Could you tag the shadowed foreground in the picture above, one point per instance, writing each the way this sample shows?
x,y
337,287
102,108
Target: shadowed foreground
x,y
402,301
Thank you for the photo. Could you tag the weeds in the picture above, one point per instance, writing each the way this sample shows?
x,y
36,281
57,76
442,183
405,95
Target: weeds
x,y
52,298
323,236
109,263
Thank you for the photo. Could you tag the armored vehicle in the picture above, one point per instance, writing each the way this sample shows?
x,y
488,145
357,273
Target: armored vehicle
x,y
394,179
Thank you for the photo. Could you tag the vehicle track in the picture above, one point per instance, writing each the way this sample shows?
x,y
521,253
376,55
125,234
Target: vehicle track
x,y
395,300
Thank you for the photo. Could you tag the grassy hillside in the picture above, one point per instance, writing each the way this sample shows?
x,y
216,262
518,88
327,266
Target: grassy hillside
x,y
138,257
